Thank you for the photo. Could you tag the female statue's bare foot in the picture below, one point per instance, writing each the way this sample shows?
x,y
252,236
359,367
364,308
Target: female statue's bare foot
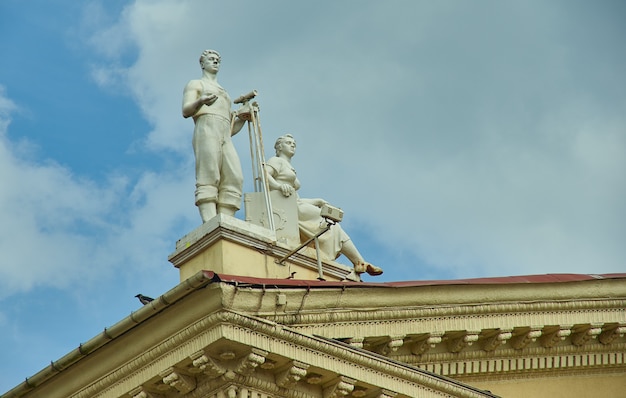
x,y
367,267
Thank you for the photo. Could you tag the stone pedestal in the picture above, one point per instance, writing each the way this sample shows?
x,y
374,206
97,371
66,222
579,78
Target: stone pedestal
x,y
228,245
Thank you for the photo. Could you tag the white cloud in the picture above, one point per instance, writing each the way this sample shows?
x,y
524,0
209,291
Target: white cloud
x,y
113,39
58,227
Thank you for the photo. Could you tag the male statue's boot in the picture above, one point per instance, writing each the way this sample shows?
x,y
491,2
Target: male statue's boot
x,y
208,210
227,210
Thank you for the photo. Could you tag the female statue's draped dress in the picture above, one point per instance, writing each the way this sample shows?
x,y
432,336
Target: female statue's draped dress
x,y
310,222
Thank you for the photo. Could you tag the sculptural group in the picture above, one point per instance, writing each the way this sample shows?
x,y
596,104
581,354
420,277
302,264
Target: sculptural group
x,y
219,179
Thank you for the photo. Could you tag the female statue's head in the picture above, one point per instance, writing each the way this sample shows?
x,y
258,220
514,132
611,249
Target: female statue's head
x,y
283,142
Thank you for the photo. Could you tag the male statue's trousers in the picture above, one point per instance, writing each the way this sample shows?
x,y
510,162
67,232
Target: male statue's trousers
x,y
219,178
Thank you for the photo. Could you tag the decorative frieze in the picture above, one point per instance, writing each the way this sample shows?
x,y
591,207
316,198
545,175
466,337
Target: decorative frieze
x,y
508,366
487,316
244,387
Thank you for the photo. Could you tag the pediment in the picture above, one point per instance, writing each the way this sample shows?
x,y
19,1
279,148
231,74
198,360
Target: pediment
x,y
227,353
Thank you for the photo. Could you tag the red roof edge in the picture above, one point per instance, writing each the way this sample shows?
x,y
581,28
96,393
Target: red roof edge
x,y
546,278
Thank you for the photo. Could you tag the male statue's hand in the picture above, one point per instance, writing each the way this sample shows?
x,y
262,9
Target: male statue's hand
x,y
207,99
244,113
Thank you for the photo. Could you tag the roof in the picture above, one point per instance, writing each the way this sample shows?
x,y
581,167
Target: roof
x,y
536,279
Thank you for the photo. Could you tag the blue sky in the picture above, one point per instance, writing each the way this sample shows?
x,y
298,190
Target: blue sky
x,y
461,139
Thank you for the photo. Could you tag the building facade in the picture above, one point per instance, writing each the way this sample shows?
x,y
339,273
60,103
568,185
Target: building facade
x,y
245,322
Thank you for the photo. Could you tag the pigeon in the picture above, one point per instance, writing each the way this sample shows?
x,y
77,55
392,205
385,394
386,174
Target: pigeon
x,y
144,299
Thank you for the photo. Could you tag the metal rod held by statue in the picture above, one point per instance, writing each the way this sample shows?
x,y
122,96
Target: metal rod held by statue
x,y
257,153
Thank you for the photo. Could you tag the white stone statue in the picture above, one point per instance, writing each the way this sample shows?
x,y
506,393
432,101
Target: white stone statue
x,y
282,177
219,179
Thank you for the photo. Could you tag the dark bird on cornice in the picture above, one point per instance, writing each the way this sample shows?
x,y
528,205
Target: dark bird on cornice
x,y
144,299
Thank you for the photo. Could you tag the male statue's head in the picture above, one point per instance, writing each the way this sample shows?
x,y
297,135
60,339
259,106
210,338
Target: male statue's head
x,y
210,59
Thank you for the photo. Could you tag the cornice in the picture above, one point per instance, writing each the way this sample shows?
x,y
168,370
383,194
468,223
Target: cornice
x,y
483,337
302,318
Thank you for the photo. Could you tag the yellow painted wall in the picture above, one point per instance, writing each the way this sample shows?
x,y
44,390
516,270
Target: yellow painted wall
x,y
611,385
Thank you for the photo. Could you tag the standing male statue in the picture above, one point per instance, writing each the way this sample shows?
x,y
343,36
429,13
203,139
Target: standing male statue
x,y
219,179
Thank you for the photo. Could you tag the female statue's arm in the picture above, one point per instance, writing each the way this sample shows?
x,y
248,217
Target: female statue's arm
x,y
271,172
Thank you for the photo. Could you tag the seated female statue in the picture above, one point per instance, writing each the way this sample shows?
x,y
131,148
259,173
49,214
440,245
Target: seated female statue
x,y
282,177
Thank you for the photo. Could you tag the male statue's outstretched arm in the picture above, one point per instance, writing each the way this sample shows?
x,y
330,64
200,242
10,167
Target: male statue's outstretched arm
x,y
193,98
